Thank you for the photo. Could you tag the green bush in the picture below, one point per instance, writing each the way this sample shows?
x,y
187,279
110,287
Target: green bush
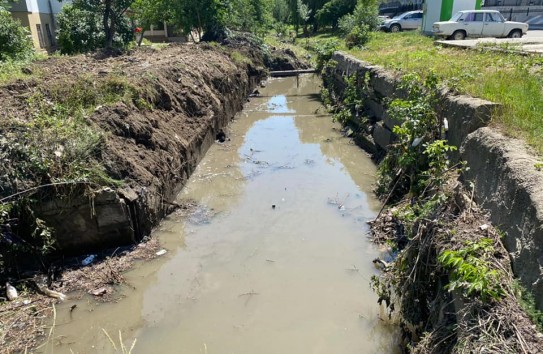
x,y
364,15
81,30
358,36
15,41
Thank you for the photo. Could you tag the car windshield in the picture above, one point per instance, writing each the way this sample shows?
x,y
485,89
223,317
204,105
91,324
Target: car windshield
x,y
498,16
456,17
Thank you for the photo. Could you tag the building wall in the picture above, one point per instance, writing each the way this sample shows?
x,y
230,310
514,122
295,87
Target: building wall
x,y
45,21
39,17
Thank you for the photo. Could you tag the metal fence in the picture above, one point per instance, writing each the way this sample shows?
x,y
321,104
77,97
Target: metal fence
x,y
512,3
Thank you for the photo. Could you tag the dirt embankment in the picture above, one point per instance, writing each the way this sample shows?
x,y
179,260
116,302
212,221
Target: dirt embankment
x,y
104,145
93,151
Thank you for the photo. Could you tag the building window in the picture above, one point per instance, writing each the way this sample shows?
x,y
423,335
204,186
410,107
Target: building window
x,y
40,36
50,37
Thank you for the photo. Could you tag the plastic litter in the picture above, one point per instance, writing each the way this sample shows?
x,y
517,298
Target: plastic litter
x,y
161,252
88,260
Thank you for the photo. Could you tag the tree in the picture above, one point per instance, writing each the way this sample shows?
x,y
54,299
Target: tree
x,y
149,12
15,42
280,11
81,29
303,13
248,15
112,15
333,10
207,17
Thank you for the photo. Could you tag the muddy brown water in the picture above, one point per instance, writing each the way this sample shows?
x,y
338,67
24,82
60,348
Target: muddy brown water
x,y
241,276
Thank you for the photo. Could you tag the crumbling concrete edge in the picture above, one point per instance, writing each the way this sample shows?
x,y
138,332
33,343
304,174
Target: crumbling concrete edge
x,y
506,183
509,186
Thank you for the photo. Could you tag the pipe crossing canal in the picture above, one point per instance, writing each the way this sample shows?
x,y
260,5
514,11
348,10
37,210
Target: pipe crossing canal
x,y
274,260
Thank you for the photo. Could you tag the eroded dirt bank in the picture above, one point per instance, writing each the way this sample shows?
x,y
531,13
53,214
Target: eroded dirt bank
x,y
93,151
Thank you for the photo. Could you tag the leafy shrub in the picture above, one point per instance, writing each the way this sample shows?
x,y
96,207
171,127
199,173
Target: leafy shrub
x,y
15,41
358,36
347,23
325,51
364,16
81,30
471,271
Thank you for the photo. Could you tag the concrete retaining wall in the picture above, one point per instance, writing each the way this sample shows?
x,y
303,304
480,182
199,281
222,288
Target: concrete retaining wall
x,y
502,169
465,114
510,187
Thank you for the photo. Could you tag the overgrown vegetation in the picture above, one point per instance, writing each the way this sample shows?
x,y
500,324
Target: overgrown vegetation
x,y
449,282
57,151
81,29
15,40
419,158
470,270
504,78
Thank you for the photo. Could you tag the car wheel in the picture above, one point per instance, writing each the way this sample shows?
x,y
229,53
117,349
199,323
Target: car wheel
x,y
395,28
515,34
458,35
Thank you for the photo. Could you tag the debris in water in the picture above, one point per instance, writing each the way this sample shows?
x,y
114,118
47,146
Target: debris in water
x,y
221,136
381,264
161,252
99,292
11,292
73,307
88,260
353,269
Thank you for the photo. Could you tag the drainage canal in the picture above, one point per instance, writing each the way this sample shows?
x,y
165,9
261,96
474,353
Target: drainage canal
x,y
274,259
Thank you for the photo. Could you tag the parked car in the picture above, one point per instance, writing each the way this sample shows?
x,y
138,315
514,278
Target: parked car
x,y
383,19
535,23
479,23
406,21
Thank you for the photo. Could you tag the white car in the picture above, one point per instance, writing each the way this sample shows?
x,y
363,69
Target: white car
x,y
479,23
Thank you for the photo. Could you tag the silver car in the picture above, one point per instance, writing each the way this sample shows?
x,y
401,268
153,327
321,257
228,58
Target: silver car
x,y
407,21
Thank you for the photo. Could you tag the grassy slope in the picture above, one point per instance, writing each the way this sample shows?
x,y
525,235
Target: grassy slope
x,y
514,81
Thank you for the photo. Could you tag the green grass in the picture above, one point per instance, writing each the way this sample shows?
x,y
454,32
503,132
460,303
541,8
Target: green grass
x,y
512,80
284,42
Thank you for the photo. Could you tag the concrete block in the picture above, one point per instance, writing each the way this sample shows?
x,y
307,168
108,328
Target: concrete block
x,y
376,108
466,114
390,122
383,82
382,136
508,185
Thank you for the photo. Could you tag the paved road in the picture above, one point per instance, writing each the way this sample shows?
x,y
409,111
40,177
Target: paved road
x,y
531,42
534,33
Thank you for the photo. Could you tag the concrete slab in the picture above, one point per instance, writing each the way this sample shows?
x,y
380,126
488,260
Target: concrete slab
x,y
527,44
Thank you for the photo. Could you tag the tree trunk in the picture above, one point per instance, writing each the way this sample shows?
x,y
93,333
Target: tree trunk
x,y
108,25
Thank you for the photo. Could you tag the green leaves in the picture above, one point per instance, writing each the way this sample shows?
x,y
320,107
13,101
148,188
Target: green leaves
x,y
15,42
81,28
471,271
419,152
